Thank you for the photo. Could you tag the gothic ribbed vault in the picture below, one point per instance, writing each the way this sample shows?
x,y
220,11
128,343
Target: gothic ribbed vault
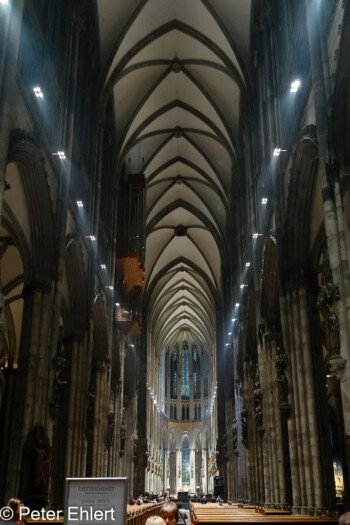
x,y
178,76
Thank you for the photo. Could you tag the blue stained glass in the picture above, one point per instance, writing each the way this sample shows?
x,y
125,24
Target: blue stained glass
x,y
173,375
185,371
196,373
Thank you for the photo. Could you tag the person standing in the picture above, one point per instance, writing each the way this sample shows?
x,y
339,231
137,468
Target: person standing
x,y
183,514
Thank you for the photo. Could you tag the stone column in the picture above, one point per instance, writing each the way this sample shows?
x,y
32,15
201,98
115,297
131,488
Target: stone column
x,y
314,451
32,389
76,424
289,414
338,264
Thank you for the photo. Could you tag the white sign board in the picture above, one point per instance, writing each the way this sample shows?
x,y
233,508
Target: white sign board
x,y
95,501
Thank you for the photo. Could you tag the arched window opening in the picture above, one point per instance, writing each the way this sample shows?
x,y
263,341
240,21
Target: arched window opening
x,y
185,372
173,375
196,373
185,462
183,413
187,413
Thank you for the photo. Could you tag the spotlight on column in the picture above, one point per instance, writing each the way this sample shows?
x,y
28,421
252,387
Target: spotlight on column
x,y
237,305
277,151
80,204
295,85
234,319
91,237
256,235
4,2
103,266
247,264
60,154
37,91
264,200
118,304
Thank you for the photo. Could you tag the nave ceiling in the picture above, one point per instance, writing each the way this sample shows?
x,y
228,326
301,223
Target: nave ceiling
x,y
176,70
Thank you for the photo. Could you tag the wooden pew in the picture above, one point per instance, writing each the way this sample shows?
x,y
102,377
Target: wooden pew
x,y
210,514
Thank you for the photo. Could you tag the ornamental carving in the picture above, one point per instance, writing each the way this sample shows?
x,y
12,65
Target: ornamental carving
x,y
331,334
329,292
244,422
234,430
336,366
281,362
59,366
258,394
110,427
135,448
122,437
309,131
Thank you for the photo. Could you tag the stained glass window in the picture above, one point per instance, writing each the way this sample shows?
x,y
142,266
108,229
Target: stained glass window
x,y
173,375
185,462
196,373
185,372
